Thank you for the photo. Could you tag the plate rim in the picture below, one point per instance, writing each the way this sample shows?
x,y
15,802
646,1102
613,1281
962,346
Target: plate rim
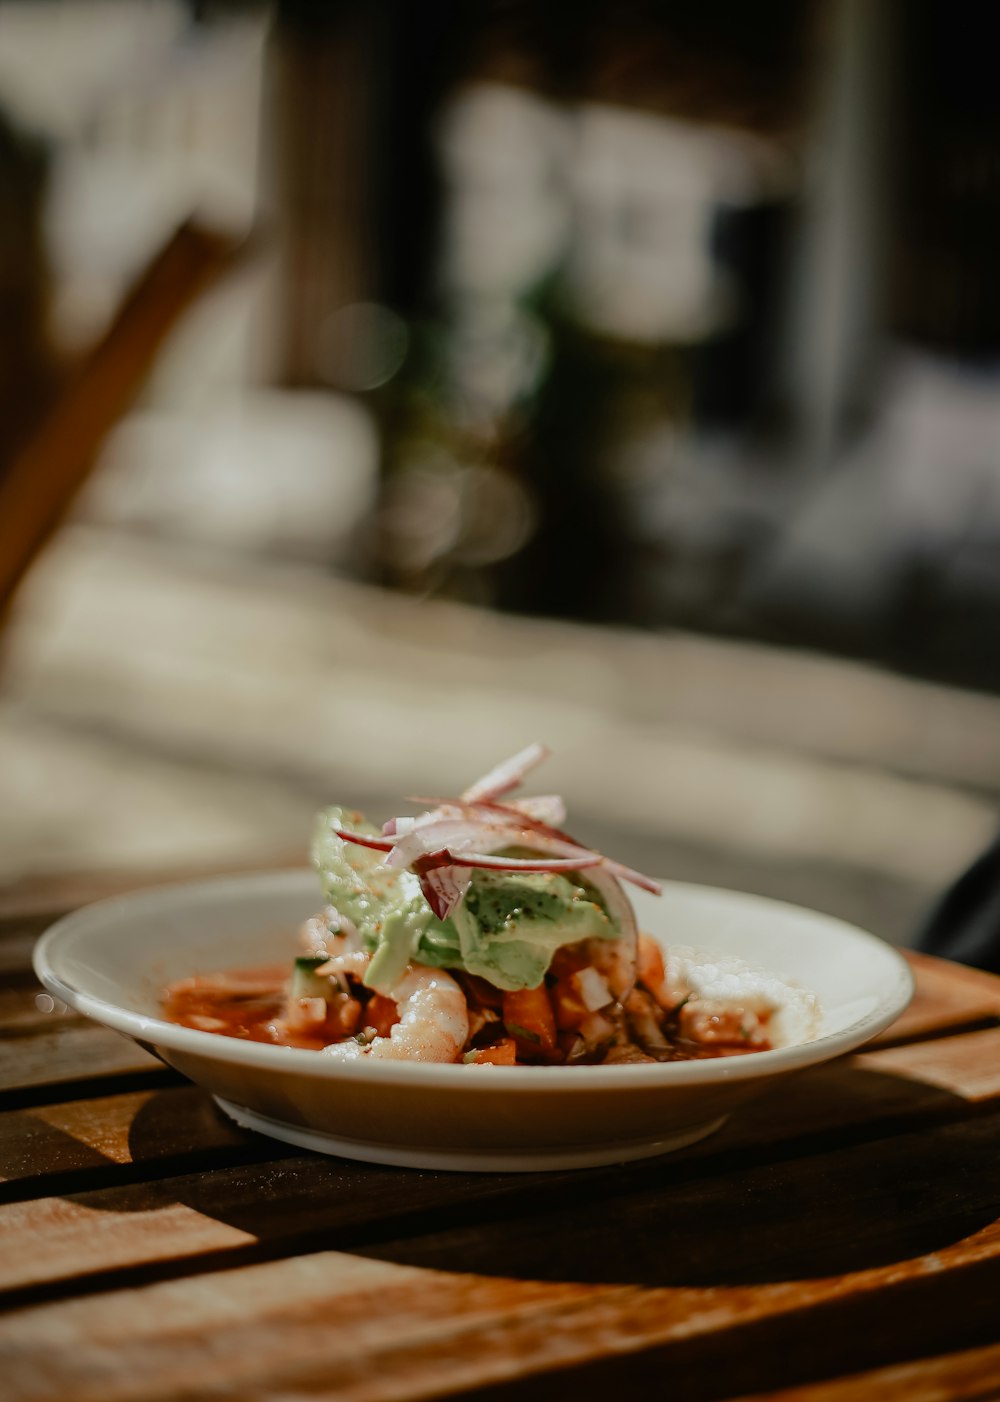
x,y
144,1028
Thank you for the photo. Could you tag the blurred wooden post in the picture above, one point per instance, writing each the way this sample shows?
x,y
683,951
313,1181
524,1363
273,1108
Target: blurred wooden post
x,y
45,477
318,175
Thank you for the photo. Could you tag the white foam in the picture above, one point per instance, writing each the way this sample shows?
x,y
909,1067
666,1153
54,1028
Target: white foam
x,y
723,978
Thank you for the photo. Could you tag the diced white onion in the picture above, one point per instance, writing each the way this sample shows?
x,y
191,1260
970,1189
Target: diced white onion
x,y
593,990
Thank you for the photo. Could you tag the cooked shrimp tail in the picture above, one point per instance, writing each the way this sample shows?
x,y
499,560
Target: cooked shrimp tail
x,y
433,1021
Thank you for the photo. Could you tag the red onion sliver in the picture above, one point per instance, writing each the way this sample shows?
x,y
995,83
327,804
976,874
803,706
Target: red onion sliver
x,y
554,864
543,808
635,877
444,885
506,776
456,834
492,812
364,839
528,820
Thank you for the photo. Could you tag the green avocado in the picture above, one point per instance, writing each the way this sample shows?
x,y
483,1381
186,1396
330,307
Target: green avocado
x,y
507,929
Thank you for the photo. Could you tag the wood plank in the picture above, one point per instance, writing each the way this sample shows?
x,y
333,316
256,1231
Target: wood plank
x,y
967,1065
338,1327
91,1143
18,934
956,1377
77,1051
641,1222
25,1008
870,1203
242,1331
947,996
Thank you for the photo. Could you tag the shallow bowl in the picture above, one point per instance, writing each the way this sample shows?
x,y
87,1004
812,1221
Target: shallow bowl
x,y
111,961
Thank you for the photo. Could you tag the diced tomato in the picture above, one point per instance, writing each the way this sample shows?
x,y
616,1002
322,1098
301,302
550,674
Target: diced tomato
x,y
528,1017
342,1018
652,971
381,1013
502,1053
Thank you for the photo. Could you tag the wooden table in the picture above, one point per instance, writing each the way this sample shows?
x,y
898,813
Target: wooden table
x,y
839,1240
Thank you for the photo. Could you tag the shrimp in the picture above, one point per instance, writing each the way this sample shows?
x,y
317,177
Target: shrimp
x,y
433,1021
346,961
347,958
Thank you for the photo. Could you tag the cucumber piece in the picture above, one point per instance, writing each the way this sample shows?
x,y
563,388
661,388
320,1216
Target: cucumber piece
x,y
306,983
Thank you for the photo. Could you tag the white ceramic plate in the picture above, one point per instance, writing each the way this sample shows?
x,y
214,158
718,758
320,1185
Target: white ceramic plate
x,y
112,960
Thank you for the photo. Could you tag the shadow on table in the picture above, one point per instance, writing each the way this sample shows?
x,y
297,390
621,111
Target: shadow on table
x,y
743,1208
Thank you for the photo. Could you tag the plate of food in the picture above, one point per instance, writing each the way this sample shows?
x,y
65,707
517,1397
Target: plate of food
x,y
468,987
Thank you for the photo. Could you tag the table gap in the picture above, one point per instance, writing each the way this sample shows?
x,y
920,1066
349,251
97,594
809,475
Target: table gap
x,y
89,1088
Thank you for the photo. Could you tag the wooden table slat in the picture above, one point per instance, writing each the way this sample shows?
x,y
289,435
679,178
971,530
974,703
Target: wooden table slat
x,y
967,1376
948,997
332,1325
72,1053
967,1066
82,1144
510,1225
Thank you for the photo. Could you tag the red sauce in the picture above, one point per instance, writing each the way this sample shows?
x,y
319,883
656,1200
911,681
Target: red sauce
x,y
250,1004
244,1003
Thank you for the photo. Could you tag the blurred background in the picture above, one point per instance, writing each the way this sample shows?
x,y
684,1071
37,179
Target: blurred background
x,y
386,385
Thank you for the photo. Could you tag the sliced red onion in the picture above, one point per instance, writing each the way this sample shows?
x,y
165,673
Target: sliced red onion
x,y
635,877
482,859
495,815
624,873
506,776
364,839
545,808
490,807
443,883
470,834
408,846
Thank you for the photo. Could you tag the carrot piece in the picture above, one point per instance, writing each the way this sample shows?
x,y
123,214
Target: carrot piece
x,y
528,1016
502,1053
381,1013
